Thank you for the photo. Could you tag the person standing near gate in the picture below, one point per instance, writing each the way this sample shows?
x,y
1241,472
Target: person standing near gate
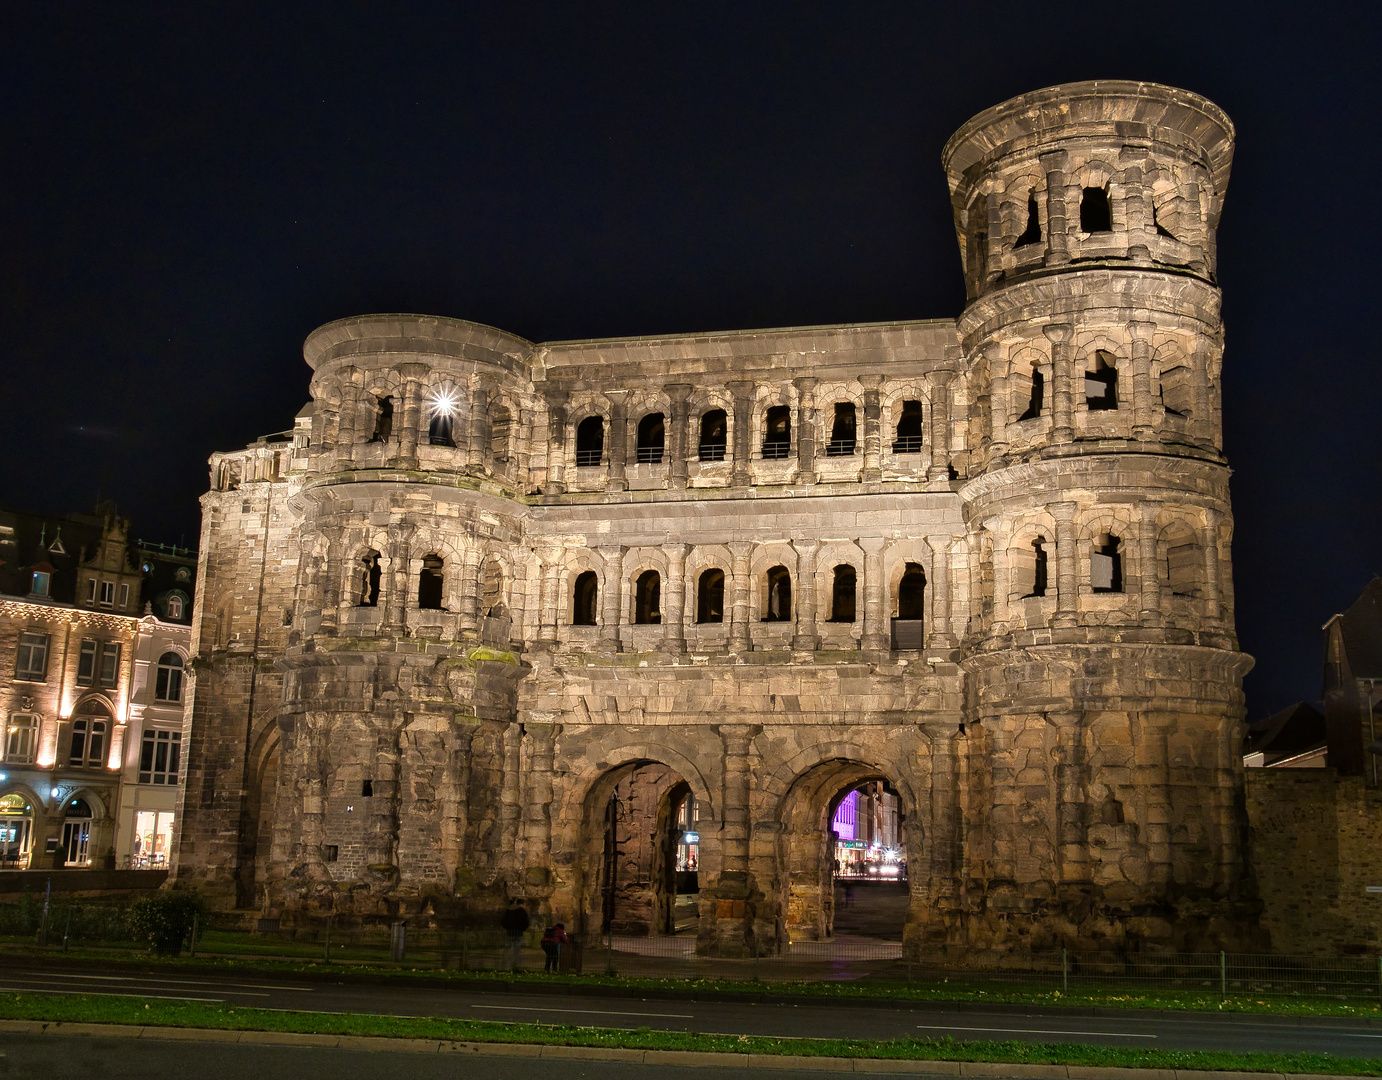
x,y
552,941
515,924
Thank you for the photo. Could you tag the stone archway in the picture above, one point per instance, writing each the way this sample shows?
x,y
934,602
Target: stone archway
x,y
630,841
257,828
806,844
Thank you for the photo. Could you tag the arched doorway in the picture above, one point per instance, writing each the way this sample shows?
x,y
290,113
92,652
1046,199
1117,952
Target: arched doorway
x,y
843,853
641,853
257,827
76,833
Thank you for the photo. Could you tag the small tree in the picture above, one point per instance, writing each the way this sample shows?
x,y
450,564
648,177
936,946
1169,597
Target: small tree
x,y
165,920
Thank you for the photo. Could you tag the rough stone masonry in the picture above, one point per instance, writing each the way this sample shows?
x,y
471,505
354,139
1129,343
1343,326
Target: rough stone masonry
x,y
492,615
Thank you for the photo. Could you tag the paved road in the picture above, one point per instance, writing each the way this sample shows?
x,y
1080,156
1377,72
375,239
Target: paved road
x,y
1188,1032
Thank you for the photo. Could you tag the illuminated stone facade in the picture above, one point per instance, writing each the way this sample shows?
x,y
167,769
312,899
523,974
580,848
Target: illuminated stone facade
x,y
489,602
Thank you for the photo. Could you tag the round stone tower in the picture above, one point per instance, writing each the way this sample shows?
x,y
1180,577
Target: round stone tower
x,y
1105,703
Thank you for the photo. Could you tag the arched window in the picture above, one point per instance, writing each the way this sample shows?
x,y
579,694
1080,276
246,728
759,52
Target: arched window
x,y
174,606
590,441
909,626
383,419
367,577
1101,383
842,594
779,596
1106,564
777,437
1032,234
168,686
1095,213
1033,568
651,439
908,440
89,739
429,583
714,438
647,598
842,431
500,433
710,597
584,596
21,739
441,425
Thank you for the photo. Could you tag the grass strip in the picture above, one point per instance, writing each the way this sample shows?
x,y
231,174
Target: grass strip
x,y
128,1011
933,992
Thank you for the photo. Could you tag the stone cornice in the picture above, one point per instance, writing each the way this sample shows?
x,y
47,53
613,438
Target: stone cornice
x,y
55,613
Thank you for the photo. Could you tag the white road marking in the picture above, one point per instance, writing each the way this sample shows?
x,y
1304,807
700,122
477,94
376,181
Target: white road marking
x,y
589,1012
108,993
159,981
1033,1031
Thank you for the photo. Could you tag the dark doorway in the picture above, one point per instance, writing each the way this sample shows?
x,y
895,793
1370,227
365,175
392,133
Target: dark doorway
x,y
583,599
710,597
590,442
430,583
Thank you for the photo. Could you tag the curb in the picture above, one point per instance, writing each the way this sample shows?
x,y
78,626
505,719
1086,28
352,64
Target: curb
x,y
978,1069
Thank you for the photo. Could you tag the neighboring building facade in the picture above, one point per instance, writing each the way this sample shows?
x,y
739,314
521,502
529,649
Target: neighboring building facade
x,y
86,681
502,619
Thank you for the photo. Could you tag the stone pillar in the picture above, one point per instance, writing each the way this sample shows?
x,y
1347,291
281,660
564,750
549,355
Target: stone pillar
x,y
479,426
998,400
470,589
940,628
556,443
1143,398
1213,589
806,429
394,587
1002,586
1067,565
549,604
1137,208
612,605
940,424
807,639
1208,429
537,801
331,573
740,614
876,634
348,414
993,257
411,419
674,599
733,888
1057,239
618,438
873,428
1062,382
511,802
743,431
677,396
1150,578
1072,811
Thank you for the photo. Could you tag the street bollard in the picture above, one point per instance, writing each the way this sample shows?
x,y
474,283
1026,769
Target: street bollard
x,y
1223,975
1064,972
398,941
196,924
326,949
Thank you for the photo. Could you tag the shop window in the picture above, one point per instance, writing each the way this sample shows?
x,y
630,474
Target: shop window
x,y
383,419
908,436
779,596
842,594
31,662
21,739
1101,383
430,582
160,757
842,431
714,435
1032,233
710,596
367,578
584,597
168,686
647,598
652,438
590,442
16,831
153,839
1106,564
777,439
1095,213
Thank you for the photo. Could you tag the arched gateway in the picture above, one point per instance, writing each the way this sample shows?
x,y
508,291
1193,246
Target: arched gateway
x,y
528,615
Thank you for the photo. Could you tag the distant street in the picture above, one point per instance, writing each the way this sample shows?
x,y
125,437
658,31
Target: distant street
x,y
1187,1032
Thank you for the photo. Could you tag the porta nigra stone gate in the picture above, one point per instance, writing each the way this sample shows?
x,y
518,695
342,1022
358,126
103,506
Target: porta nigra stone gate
x,y
498,619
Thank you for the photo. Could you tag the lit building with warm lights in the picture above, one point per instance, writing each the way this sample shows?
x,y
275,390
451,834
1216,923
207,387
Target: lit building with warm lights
x,y
94,630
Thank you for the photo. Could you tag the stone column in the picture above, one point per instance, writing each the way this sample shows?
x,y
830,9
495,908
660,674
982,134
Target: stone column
x,y
1207,428
940,635
734,829
743,431
556,443
677,396
541,738
1072,811
618,438
331,574
549,604
348,414
1062,379
998,400
479,426
739,639
1150,577
873,427
412,413
1057,250
993,257
1143,399
807,639
1002,586
1067,566
940,424
511,801
470,589
1137,209
674,599
806,429
876,634
395,587
612,605
1213,590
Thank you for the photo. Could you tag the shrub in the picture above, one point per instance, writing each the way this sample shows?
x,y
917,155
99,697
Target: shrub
x,y
165,920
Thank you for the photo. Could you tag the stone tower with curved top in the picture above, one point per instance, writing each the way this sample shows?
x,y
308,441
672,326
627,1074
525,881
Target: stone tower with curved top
x,y
617,626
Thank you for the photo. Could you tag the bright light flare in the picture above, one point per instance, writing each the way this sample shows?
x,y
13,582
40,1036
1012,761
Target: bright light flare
x,y
443,402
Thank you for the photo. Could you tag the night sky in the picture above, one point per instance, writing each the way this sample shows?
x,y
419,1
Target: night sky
x,y
185,192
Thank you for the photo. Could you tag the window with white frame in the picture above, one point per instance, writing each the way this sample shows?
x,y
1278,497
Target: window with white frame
x,y
168,685
159,757
88,748
41,583
110,663
90,590
86,662
175,606
124,595
32,659
21,738
107,594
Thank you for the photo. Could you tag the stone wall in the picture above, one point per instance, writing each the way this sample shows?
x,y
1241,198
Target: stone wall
x,y
1316,841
